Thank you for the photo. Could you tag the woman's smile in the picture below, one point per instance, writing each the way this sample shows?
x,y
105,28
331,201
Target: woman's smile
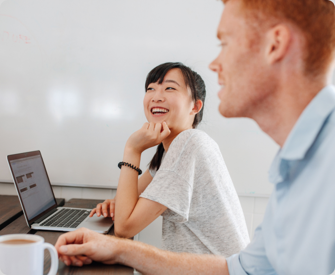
x,y
158,111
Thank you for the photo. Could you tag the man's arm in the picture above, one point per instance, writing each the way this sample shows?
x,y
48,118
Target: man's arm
x,y
150,260
144,258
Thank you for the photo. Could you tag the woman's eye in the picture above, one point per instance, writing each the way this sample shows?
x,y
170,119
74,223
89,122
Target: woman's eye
x,y
150,89
170,88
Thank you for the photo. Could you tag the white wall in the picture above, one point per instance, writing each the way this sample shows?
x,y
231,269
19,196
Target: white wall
x,y
72,79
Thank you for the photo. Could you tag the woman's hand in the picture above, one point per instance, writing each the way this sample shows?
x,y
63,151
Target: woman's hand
x,y
149,135
107,209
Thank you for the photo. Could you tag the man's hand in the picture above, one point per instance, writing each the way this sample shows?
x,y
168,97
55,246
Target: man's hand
x,y
84,246
107,209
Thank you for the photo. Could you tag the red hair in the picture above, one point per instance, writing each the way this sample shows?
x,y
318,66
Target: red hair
x,y
314,18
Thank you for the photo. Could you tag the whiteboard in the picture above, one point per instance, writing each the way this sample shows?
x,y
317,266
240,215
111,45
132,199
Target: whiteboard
x,y
72,76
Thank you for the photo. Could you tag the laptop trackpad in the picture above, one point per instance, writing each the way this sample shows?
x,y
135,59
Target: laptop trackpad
x,y
99,224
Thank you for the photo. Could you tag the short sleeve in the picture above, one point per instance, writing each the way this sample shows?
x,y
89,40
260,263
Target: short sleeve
x,y
172,191
252,260
172,184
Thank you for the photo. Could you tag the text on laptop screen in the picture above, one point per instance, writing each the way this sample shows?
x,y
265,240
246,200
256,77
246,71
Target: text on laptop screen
x,y
33,185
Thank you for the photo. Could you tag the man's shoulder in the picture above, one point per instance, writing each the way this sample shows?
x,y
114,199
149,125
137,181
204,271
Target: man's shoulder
x,y
327,134
331,120
323,149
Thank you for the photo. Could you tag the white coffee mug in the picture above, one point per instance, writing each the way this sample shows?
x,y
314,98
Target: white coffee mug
x,y
24,254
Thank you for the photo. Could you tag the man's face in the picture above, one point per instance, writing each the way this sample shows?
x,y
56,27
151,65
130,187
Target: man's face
x,y
241,65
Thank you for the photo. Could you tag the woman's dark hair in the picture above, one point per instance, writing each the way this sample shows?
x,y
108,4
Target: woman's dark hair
x,y
198,90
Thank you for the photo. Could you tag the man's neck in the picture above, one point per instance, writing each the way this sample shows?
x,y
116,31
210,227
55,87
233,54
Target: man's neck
x,y
277,115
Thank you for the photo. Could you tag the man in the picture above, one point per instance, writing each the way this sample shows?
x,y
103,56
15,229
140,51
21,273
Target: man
x,y
273,68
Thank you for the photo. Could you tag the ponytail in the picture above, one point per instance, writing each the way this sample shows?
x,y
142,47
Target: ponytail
x,y
157,159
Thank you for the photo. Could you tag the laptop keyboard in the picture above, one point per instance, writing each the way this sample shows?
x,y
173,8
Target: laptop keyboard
x,y
67,218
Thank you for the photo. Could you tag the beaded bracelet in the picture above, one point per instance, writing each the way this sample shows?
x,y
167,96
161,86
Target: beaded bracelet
x,y
139,171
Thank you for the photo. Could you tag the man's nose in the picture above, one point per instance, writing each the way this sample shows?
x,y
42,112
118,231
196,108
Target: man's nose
x,y
214,66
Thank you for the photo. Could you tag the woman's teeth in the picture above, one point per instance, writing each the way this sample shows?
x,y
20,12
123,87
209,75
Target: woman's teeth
x,y
158,110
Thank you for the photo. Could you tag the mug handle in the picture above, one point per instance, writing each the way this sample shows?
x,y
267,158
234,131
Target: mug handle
x,y
54,258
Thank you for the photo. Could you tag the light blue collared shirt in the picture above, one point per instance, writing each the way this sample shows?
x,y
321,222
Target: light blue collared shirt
x,y
297,235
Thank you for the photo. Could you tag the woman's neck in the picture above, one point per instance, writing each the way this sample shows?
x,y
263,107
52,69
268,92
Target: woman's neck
x,y
167,142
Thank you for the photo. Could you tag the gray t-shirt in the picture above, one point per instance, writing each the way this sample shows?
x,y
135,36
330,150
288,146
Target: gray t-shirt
x,y
204,214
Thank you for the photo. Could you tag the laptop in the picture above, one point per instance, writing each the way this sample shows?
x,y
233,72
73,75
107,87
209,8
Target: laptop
x,y
38,201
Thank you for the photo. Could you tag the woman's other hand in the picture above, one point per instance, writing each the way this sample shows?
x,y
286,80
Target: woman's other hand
x,y
151,134
107,209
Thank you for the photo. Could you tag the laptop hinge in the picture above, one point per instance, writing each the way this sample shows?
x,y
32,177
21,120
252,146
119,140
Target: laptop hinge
x,y
46,215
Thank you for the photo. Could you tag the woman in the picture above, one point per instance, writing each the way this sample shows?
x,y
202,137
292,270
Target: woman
x,y
187,181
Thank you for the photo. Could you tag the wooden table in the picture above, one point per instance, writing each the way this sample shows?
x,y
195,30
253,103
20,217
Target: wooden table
x,y
10,210
12,222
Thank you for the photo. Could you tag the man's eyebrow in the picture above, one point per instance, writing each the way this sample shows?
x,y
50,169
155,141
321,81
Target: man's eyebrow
x,y
172,81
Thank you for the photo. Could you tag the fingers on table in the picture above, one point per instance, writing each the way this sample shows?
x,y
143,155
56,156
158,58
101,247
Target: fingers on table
x,y
76,260
71,249
69,238
98,209
105,208
93,212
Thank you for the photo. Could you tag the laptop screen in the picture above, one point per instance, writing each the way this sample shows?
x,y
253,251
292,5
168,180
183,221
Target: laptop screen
x,y
32,183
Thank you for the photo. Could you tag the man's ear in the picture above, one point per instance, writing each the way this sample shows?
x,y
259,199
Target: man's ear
x,y
197,107
278,41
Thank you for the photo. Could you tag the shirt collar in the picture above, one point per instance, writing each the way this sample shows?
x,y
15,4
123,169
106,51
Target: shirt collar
x,y
303,133
309,125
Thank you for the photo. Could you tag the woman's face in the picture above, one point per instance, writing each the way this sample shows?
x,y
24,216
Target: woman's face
x,y
171,102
